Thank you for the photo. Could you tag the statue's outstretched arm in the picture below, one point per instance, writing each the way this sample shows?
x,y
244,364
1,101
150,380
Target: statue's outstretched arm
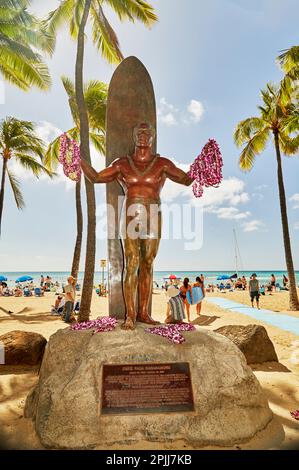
x,y
177,175
105,176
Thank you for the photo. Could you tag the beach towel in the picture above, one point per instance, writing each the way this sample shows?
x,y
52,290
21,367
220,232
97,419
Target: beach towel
x,y
177,308
197,295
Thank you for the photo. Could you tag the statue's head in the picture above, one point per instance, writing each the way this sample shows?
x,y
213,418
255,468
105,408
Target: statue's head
x,y
144,134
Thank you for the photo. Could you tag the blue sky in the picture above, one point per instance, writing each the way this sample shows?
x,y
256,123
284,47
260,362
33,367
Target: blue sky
x,y
208,60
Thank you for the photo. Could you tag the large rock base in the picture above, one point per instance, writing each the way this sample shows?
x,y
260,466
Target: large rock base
x,y
229,403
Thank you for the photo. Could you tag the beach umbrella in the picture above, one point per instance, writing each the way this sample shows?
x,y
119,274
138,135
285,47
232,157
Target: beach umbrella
x,y
172,276
24,279
223,277
234,276
3,278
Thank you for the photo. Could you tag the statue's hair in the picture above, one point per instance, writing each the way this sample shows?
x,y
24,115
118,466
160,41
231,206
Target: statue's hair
x,y
136,128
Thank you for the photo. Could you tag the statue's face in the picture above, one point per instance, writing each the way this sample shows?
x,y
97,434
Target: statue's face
x,y
143,135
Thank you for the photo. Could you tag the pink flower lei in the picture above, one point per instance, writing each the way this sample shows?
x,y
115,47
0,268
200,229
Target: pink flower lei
x,y
206,170
69,157
172,332
99,325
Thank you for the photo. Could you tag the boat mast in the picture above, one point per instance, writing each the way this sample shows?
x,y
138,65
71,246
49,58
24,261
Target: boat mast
x,y
236,251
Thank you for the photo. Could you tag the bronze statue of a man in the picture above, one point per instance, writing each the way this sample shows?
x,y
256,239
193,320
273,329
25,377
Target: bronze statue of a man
x,y
142,177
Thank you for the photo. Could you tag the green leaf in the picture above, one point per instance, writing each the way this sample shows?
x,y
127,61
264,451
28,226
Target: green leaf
x,y
16,189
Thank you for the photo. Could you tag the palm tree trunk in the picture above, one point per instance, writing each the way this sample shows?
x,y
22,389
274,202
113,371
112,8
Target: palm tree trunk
x,y
77,250
4,167
85,154
294,303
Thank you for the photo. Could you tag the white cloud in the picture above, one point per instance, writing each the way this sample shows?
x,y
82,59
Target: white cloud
x,y
169,115
295,199
252,226
196,110
231,213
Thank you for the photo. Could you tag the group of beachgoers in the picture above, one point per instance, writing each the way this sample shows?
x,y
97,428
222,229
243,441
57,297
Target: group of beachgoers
x,y
181,296
65,304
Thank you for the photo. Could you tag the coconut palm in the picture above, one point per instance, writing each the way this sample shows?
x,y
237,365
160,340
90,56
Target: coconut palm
x,y
95,95
281,122
76,14
19,141
21,37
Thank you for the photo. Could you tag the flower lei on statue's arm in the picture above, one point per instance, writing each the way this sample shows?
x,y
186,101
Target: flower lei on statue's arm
x,y
206,170
69,157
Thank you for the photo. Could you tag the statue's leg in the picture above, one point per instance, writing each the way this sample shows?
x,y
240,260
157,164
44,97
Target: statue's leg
x,y
148,252
130,284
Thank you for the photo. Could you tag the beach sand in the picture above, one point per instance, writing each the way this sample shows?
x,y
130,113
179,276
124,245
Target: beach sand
x,y
280,381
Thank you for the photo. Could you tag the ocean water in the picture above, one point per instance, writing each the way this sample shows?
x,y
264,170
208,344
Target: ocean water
x,y
210,276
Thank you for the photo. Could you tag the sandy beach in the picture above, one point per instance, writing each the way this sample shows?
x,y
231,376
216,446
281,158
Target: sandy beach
x,y
280,381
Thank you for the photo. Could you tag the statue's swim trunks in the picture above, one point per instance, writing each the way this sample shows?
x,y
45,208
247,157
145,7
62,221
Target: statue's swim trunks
x,y
141,219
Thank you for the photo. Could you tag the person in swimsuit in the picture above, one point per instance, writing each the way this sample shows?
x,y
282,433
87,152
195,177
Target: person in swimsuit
x,y
183,293
273,283
199,283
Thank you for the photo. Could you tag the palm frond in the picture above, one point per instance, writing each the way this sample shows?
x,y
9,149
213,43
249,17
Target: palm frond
x,y
246,128
104,37
289,58
289,145
134,9
29,163
254,147
16,189
99,142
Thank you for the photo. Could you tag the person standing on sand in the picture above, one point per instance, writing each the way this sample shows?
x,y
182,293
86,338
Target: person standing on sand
x,y
199,283
183,293
273,283
254,289
70,294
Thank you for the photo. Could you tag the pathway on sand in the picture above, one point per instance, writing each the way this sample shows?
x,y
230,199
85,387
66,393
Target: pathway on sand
x,y
285,322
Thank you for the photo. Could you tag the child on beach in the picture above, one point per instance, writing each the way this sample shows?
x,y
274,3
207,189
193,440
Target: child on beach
x,y
254,290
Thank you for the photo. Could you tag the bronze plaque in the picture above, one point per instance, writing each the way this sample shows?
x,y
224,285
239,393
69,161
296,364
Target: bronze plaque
x,y
146,388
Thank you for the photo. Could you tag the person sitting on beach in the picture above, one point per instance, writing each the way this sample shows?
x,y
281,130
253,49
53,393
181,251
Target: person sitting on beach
x,y
18,292
70,294
57,308
175,312
244,282
239,284
183,293
254,290
199,283
285,282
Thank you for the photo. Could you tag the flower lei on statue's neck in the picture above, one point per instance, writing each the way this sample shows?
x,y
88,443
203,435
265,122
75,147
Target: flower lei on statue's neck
x,y
69,157
206,170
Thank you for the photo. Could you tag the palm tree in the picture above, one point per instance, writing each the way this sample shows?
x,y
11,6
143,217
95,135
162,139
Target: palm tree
x,y
95,95
18,140
281,122
76,13
21,37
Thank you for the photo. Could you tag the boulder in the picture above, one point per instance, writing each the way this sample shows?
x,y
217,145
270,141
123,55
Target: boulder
x,y
23,347
252,340
230,406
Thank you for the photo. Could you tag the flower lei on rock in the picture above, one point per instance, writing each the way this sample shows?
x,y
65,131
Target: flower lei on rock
x,y
100,325
172,332
69,157
295,414
206,170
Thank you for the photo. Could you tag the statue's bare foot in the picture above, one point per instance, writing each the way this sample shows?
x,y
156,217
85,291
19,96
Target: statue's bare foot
x,y
147,319
128,324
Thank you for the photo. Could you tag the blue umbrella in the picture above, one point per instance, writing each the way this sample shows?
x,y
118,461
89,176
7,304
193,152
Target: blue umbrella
x,y
3,278
224,277
24,279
